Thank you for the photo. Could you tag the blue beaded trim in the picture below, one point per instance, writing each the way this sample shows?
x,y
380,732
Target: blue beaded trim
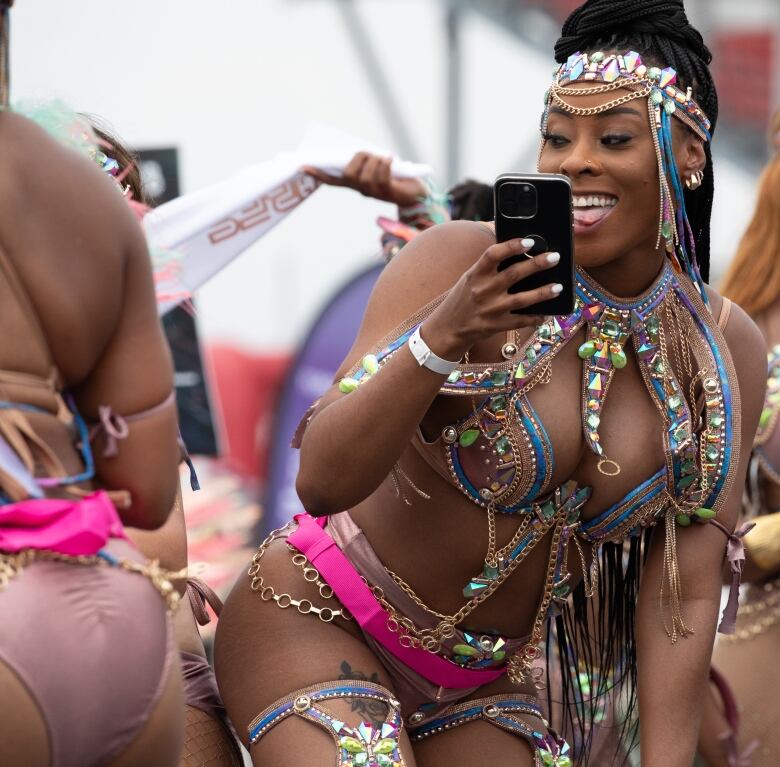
x,y
325,693
448,721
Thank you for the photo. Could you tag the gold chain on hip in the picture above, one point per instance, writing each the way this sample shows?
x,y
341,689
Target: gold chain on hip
x,y
310,574
12,564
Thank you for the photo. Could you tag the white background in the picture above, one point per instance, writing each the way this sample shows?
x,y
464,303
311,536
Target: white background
x,y
234,82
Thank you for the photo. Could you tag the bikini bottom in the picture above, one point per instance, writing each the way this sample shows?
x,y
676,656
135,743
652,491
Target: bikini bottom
x,y
421,699
94,647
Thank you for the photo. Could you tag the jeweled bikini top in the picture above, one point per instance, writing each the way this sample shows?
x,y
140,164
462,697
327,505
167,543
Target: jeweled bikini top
x,y
504,435
505,428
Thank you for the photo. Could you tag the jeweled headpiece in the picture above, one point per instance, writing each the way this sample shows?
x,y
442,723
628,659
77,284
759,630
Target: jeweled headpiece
x,y
613,72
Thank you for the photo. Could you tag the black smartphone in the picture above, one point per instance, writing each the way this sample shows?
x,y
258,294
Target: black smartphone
x,y
539,207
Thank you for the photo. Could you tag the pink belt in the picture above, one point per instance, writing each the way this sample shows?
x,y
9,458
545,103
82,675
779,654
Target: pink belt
x,y
321,550
78,527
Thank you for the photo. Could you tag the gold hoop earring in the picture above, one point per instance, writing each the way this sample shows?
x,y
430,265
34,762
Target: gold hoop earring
x,y
694,180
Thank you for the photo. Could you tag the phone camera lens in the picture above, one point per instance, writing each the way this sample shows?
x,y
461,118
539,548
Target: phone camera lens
x,y
517,200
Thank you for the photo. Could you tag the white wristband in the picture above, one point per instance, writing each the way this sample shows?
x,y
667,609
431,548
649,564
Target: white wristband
x,y
426,358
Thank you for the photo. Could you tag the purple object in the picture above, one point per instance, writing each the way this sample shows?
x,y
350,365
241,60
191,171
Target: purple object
x,y
311,374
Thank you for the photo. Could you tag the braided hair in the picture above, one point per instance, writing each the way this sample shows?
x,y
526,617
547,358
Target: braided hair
x,y
660,31
594,641
4,53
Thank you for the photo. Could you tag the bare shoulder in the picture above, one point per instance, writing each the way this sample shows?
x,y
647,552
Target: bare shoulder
x,y
38,169
71,237
747,347
429,266
425,269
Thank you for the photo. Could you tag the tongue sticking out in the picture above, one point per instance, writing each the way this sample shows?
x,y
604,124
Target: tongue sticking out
x,y
590,216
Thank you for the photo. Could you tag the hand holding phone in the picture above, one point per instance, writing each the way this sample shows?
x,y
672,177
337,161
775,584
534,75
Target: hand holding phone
x,y
538,207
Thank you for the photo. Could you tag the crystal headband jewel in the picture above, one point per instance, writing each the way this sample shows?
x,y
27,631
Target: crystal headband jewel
x,y
626,71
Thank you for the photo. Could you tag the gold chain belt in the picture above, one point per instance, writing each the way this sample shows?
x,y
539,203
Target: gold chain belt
x,y
11,566
310,574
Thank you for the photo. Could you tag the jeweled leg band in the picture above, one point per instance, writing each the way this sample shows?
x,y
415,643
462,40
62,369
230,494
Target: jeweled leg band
x,y
501,711
367,745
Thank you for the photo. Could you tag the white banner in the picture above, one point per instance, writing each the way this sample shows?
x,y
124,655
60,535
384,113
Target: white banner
x,y
209,228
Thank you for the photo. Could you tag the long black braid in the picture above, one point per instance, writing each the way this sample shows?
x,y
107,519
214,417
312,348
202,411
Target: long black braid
x,y
660,31
4,53
592,636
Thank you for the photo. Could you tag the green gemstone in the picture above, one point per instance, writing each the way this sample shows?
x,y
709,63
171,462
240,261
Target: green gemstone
x,y
683,520
371,364
659,366
716,421
543,331
347,385
385,746
352,745
654,73
681,434
468,438
610,328
704,513
656,97
688,466
473,588
503,445
669,106
596,56
531,354
500,655
685,482
561,590
587,350
520,372
497,403
666,230
674,402
454,377
490,571
548,510
467,651
619,359
712,453
499,378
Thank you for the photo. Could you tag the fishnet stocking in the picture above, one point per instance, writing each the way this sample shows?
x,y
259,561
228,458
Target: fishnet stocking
x,y
207,742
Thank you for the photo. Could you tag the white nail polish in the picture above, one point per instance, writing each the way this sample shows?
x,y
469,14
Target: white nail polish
x,y
556,288
553,258
527,242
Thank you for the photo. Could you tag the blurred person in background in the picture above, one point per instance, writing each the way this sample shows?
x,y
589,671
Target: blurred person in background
x,y
747,660
88,672
208,741
389,648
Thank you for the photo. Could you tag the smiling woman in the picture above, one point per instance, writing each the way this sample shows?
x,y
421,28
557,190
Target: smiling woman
x,y
462,443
